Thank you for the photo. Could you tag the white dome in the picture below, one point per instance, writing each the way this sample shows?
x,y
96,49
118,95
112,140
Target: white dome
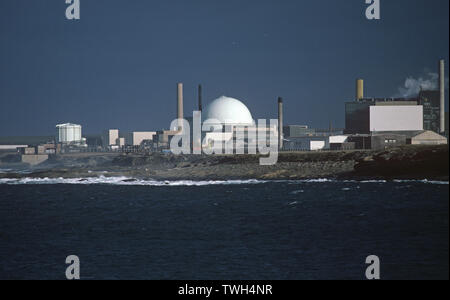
x,y
228,111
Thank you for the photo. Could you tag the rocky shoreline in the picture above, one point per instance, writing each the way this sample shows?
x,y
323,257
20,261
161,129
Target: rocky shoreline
x,y
408,162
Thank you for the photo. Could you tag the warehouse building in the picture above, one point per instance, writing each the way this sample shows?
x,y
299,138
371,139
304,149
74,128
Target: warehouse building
x,y
426,137
386,140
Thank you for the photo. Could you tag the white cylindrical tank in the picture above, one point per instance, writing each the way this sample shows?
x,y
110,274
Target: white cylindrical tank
x,y
69,133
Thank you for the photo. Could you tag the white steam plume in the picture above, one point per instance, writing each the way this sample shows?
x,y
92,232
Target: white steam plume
x,y
412,86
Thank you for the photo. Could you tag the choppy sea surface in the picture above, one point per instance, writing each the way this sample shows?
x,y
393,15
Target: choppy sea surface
x,y
124,228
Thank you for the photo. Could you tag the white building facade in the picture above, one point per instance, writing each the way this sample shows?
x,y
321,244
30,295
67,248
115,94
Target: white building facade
x,y
68,133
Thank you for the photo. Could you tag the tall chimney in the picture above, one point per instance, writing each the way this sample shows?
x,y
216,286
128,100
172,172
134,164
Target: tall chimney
x,y
180,105
200,104
280,123
442,93
359,89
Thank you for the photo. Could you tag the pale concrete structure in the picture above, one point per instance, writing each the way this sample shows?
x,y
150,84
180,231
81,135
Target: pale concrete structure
x,y
120,142
136,138
317,145
110,137
28,150
162,138
428,138
396,118
338,139
11,147
34,159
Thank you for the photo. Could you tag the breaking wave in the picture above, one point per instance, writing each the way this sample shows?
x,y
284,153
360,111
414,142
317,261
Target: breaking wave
x,y
142,182
123,181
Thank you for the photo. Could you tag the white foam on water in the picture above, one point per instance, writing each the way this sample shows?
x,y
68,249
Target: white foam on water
x,y
426,181
122,181
325,180
140,182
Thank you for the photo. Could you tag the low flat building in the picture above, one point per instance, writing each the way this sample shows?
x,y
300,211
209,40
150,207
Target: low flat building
x,y
346,146
306,144
27,150
380,141
34,159
11,148
427,138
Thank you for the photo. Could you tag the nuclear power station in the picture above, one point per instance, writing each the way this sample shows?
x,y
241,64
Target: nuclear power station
x,y
385,122
370,123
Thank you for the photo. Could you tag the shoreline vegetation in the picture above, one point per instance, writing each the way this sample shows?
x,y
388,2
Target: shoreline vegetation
x,y
406,162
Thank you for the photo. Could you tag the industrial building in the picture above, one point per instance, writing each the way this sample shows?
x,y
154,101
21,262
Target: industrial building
x,y
11,148
295,131
395,118
380,123
226,120
69,134
430,100
386,140
424,112
110,137
382,114
231,121
136,138
162,138
306,143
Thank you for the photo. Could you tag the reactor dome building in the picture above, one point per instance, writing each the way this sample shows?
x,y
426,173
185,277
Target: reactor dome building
x,y
228,111
230,120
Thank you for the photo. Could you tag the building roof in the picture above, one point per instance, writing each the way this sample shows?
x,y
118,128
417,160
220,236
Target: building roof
x,y
428,135
68,125
418,134
228,111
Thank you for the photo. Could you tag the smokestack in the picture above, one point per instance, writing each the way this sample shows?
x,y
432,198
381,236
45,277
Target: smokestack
x,y
280,123
359,89
200,104
180,105
442,93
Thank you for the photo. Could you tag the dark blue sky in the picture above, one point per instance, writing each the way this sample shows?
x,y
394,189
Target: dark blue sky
x,y
118,66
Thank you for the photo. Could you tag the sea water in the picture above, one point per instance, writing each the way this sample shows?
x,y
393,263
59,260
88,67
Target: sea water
x,y
124,228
